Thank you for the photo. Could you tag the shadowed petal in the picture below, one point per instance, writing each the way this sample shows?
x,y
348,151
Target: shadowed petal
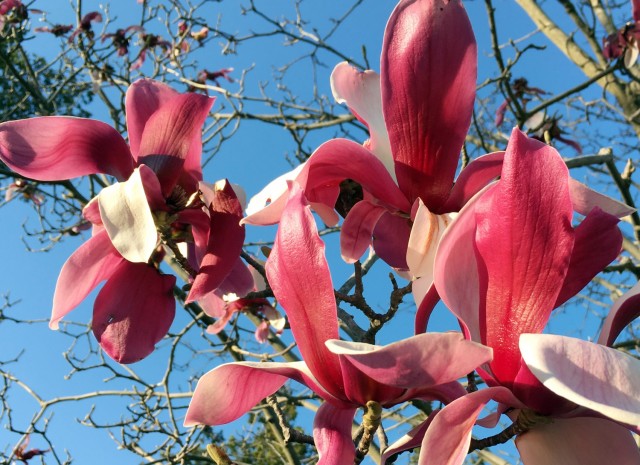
x,y
426,232
361,92
332,435
133,311
307,297
411,440
127,217
597,377
428,78
624,311
578,441
357,229
476,175
54,148
226,237
391,239
419,361
93,262
229,391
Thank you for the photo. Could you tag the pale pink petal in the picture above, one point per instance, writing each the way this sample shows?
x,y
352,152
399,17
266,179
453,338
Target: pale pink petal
x,y
171,139
262,332
624,311
274,193
91,212
598,241
226,237
600,378
332,435
127,217
307,297
276,320
428,79
524,239
477,174
133,311
93,262
361,92
447,440
584,199
357,230
54,148
426,232
631,55
419,361
578,441
229,391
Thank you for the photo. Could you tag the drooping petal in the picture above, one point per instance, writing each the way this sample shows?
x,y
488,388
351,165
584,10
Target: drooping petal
x,y
585,199
307,297
357,229
524,239
426,302
477,174
597,377
447,440
428,78
426,232
578,441
361,92
411,440
419,361
624,311
229,391
226,237
93,262
133,311
127,217
332,435
391,239
598,241
54,148
171,140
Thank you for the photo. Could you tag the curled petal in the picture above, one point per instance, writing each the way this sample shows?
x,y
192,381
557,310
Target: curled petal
x,y
425,236
332,435
624,311
127,217
475,177
361,92
54,148
585,199
428,79
602,379
357,229
391,238
93,262
273,194
133,311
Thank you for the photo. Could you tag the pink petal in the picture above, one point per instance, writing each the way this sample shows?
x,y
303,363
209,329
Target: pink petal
x,y
54,148
447,440
426,232
635,9
585,199
276,189
411,440
127,217
602,379
428,79
229,391
93,262
391,239
332,435
361,92
307,297
420,361
425,303
357,229
226,237
478,174
578,441
624,311
598,241
133,311
171,139
524,238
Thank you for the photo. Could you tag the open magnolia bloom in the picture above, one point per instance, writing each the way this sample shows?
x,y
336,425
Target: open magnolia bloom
x,y
346,375
158,199
418,111
503,265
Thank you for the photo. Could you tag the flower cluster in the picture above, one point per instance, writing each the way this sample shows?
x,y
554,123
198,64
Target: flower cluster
x,y
499,244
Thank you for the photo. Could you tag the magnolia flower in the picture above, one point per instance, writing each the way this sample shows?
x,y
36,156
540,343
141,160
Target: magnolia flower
x,y
346,375
418,112
156,198
503,265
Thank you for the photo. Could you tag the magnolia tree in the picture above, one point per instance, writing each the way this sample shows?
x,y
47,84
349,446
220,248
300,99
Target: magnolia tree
x,y
447,267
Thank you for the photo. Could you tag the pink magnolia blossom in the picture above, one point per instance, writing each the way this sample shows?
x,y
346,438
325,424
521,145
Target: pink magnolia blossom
x,y
504,264
85,26
346,375
158,173
418,111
